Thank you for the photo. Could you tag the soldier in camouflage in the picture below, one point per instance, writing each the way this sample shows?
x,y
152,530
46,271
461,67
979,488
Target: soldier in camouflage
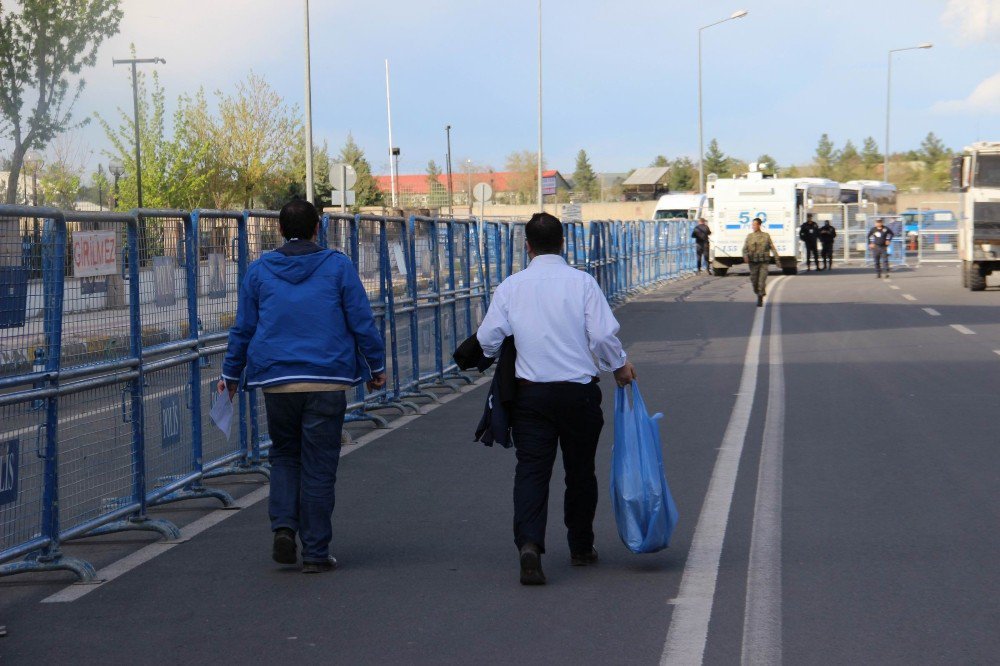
x,y
757,252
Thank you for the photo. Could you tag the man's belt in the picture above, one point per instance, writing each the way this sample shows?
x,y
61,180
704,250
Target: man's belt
x,y
528,382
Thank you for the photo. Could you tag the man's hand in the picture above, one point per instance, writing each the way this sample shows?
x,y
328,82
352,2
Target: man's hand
x,y
625,374
377,382
223,386
871,245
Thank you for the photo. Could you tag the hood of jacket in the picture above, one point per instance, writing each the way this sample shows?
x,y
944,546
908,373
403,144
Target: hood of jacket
x,y
296,261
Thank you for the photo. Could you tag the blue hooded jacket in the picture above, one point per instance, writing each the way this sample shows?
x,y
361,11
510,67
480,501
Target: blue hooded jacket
x,y
303,316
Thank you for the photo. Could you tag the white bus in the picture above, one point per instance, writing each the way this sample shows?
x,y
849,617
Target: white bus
x,y
780,203
881,194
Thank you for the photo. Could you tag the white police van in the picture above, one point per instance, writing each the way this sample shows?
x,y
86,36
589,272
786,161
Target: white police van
x,y
680,207
780,203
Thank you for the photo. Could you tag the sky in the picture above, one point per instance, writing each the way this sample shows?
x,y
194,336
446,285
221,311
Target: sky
x,y
620,78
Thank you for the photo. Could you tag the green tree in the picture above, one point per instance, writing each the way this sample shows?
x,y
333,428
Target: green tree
x,y
60,180
767,164
660,161
437,193
366,190
716,161
524,165
870,157
683,175
257,133
849,165
99,189
43,46
933,150
584,179
826,157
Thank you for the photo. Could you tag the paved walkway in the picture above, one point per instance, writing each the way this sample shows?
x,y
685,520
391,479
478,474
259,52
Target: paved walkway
x,y
841,508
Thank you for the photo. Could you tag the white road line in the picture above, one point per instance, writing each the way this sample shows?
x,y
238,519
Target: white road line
x,y
762,615
963,330
688,632
892,286
997,352
147,553
909,298
932,312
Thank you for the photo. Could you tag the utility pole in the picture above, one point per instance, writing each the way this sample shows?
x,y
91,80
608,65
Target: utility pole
x,y
451,191
541,199
138,152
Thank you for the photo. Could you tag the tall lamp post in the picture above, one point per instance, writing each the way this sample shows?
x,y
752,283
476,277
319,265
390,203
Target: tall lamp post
x,y
888,102
541,199
451,191
701,140
309,126
138,152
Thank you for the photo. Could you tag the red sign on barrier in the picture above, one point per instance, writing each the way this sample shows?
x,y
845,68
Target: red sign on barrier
x,y
94,253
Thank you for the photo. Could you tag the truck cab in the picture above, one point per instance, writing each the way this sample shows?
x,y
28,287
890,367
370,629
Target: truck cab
x,y
976,175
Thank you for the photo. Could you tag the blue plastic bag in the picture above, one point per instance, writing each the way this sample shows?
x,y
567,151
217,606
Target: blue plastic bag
x,y
644,509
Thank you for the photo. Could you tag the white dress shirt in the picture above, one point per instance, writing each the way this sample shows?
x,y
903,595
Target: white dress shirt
x,y
562,325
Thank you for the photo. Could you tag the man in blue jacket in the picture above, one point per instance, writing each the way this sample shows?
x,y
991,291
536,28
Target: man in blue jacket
x,y
305,334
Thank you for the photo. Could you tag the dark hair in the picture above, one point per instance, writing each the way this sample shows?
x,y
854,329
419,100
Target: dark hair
x,y
298,219
545,233
758,220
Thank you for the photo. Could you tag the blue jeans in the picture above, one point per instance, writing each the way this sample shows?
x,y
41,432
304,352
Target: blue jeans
x,y
305,431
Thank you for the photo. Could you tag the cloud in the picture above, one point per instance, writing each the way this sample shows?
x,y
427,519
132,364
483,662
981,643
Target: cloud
x,y
984,99
974,20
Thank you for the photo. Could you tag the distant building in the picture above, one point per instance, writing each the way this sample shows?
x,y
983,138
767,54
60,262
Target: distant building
x,y
646,184
25,187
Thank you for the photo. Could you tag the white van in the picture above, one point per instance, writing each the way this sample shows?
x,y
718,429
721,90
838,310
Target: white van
x,y
680,207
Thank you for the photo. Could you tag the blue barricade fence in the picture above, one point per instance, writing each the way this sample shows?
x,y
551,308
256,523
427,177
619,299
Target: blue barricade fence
x,y
113,328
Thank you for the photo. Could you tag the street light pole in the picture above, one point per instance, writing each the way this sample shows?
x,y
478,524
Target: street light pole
x,y
701,140
888,102
451,191
309,126
541,200
468,167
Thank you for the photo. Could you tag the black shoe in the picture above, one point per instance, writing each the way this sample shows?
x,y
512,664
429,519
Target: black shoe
x,y
583,559
320,566
283,548
531,565
760,301
878,275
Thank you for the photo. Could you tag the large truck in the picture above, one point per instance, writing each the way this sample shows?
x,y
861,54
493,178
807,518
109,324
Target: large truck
x,y
680,206
976,174
780,203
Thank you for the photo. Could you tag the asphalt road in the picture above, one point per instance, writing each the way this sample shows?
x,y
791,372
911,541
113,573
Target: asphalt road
x,y
834,458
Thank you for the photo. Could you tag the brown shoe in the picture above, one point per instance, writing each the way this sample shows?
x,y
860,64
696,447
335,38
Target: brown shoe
x,y
531,565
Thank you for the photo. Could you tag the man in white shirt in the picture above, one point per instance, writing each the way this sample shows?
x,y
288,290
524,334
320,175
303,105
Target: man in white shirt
x,y
564,333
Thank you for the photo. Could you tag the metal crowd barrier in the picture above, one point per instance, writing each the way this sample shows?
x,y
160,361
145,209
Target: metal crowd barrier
x,y
113,328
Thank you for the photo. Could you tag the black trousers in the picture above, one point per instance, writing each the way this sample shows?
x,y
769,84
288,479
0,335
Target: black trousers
x,y
702,250
547,417
826,252
811,251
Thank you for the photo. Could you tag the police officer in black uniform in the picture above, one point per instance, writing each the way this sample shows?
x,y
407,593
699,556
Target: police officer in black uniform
x,y
809,233
827,235
878,240
700,235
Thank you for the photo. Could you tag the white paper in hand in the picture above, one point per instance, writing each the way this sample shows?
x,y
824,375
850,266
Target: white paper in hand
x,y
222,413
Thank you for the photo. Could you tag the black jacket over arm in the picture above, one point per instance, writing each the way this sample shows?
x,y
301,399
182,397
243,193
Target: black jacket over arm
x,y
494,427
